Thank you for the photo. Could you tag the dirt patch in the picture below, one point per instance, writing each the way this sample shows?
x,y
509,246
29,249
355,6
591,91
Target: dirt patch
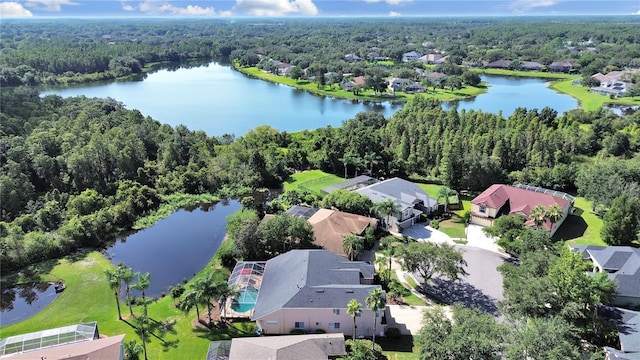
x,y
216,320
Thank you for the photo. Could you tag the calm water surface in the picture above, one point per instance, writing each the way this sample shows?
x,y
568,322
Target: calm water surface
x,y
506,93
176,247
23,301
219,100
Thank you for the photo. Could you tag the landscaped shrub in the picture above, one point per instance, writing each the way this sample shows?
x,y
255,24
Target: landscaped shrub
x,y
434,224
176,291
320,331
393,333
296,332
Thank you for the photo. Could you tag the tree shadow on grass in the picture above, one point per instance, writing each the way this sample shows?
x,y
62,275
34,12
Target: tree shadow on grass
x,y
573,227
402,344
225,333
452,292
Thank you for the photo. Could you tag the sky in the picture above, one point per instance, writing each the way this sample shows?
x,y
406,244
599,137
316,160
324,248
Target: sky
x,y
313,8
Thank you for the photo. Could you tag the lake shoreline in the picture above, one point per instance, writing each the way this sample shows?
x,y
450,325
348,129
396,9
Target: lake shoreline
x,y
442,95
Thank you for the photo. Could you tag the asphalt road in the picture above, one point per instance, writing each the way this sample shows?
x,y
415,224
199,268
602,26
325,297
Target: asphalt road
x,y
481,288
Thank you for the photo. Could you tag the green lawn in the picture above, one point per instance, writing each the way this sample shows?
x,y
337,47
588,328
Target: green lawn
x,y
367,95
532,74
583,227
454,227
88,298
588,100
398,349
312,181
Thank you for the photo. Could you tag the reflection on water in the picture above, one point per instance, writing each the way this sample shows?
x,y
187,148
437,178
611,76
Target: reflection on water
x,y
22,301
175,248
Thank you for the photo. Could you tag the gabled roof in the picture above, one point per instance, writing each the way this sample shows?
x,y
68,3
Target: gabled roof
x,y
404,193
502,63
311,279
521,199
330,227
288,347
436,75
622,263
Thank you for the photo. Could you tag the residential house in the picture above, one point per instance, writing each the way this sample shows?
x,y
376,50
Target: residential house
x,y
431,58
411,56
376,56
406,85
80,341
309,290
352,57
628,324
330,226
621,263
349,85
436,75
501,199
288,347
411,201
615,88
531,66
499,64
560,66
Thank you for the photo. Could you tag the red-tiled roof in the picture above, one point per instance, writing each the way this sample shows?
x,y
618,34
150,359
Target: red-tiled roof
x,y
520,200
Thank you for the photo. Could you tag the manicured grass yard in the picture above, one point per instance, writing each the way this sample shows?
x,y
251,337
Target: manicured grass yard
x,y
590,101
89,298
312,181
365,95
583,227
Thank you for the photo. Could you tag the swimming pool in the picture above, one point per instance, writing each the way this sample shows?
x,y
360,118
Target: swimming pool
x,y
246,300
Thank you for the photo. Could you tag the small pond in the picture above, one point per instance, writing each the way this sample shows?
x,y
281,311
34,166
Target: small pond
x,y
20,302
176,247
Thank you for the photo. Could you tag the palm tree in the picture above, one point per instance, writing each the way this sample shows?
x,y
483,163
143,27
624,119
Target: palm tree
x,y
352,244
445,192
191,298
132,350
224,292
113,278
144,281
372,159
375,301
354,308
537,215
386,208
127,275
346,160
553,213
207,288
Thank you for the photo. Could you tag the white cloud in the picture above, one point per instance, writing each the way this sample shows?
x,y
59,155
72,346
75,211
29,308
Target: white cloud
x,y
127,7
13,9
275,7
49,5
394,13
636,13
390,2
155,8
524,5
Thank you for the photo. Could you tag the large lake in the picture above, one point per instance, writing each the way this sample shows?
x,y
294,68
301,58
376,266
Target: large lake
x,y
219,100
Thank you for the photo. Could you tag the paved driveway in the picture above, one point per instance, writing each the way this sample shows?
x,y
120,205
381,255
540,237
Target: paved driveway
x,y
476,237
408,319
481,288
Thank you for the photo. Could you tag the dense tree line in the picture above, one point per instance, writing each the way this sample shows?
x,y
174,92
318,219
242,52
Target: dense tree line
x,y
49,51
76,171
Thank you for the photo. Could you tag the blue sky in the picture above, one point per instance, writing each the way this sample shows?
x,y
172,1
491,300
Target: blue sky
x,y
278,8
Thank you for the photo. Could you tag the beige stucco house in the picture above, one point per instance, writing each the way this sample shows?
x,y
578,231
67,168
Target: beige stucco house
x,y
310,290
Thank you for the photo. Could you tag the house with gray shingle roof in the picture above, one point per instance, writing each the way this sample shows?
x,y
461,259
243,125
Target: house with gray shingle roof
x,y
621,263
290,347
409,198
628,324
310,290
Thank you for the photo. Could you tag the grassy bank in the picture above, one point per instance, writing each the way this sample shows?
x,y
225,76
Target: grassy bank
x,y
89,298
367,95
531,74
590,101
